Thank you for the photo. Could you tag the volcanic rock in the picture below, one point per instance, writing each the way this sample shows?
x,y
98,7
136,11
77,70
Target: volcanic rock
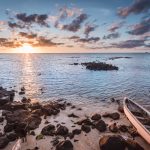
x,y
96,117
112,142
101,126
113,128
48,130
133,145
64,145
85,128
3,141
12,136
84,121
62,130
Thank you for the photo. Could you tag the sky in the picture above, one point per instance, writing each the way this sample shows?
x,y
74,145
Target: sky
x,y
74,26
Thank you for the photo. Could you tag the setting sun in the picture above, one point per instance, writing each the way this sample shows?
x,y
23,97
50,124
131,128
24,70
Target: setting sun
x,y
27,48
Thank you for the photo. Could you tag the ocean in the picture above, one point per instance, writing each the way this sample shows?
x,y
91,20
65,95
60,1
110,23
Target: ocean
x,y
51,76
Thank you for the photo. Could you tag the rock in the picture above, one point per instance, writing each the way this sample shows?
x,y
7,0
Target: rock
x,y
96,117
55,141
37,112
75,140
36,105
75,64
79,108
1,119
4,100
6,113
106,115
64,145
76,131
48,130
113,100
3,141
113,128
13,106
32,133
11,95
46,122
85,128
73,115
120,109
123,128
12,136
62,130
33,122
71,135
20,129
101,126
133,145
23,88
73,107
98,66
8,127
132,131
36,148
115,116
51,109
25,100
84,121
69,104
21,92
112,142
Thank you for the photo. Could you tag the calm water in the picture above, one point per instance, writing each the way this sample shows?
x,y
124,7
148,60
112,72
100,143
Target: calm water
x,y
58,79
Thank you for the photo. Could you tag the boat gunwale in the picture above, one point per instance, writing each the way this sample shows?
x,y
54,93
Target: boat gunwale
x,y
142,126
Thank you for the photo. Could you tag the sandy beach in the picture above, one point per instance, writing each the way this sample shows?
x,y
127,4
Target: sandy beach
x,y
68,117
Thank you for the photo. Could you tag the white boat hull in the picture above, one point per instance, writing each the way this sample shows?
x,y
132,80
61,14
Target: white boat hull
x,y
136,123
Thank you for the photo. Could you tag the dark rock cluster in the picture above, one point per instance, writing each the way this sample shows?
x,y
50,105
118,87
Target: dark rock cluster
x,y
117,142
99,66
24,116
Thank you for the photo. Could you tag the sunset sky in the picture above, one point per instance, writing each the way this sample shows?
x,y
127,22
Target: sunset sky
x,y
60,26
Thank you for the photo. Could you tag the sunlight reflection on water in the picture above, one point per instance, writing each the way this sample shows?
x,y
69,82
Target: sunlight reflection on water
x,y
48,76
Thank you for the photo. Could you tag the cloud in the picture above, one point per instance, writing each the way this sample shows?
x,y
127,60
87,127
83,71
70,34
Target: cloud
x,y
88,29
111,36
88,40
139,6
116,26
26,35
74,37
140,28
129,44
4,42
75,25
64,13
33,18
44,42
15,25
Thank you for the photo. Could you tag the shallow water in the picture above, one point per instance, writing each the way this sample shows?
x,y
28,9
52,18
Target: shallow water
x,y
58,79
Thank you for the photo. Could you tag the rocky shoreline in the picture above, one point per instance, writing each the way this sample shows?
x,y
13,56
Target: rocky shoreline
x,y
61,125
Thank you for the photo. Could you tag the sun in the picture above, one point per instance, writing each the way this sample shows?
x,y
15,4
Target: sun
x,y
27,48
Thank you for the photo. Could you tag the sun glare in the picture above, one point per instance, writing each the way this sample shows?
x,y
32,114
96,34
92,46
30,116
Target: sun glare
x,y
26,48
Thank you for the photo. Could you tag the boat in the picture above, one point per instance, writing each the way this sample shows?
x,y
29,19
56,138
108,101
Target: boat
x,y
139,117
